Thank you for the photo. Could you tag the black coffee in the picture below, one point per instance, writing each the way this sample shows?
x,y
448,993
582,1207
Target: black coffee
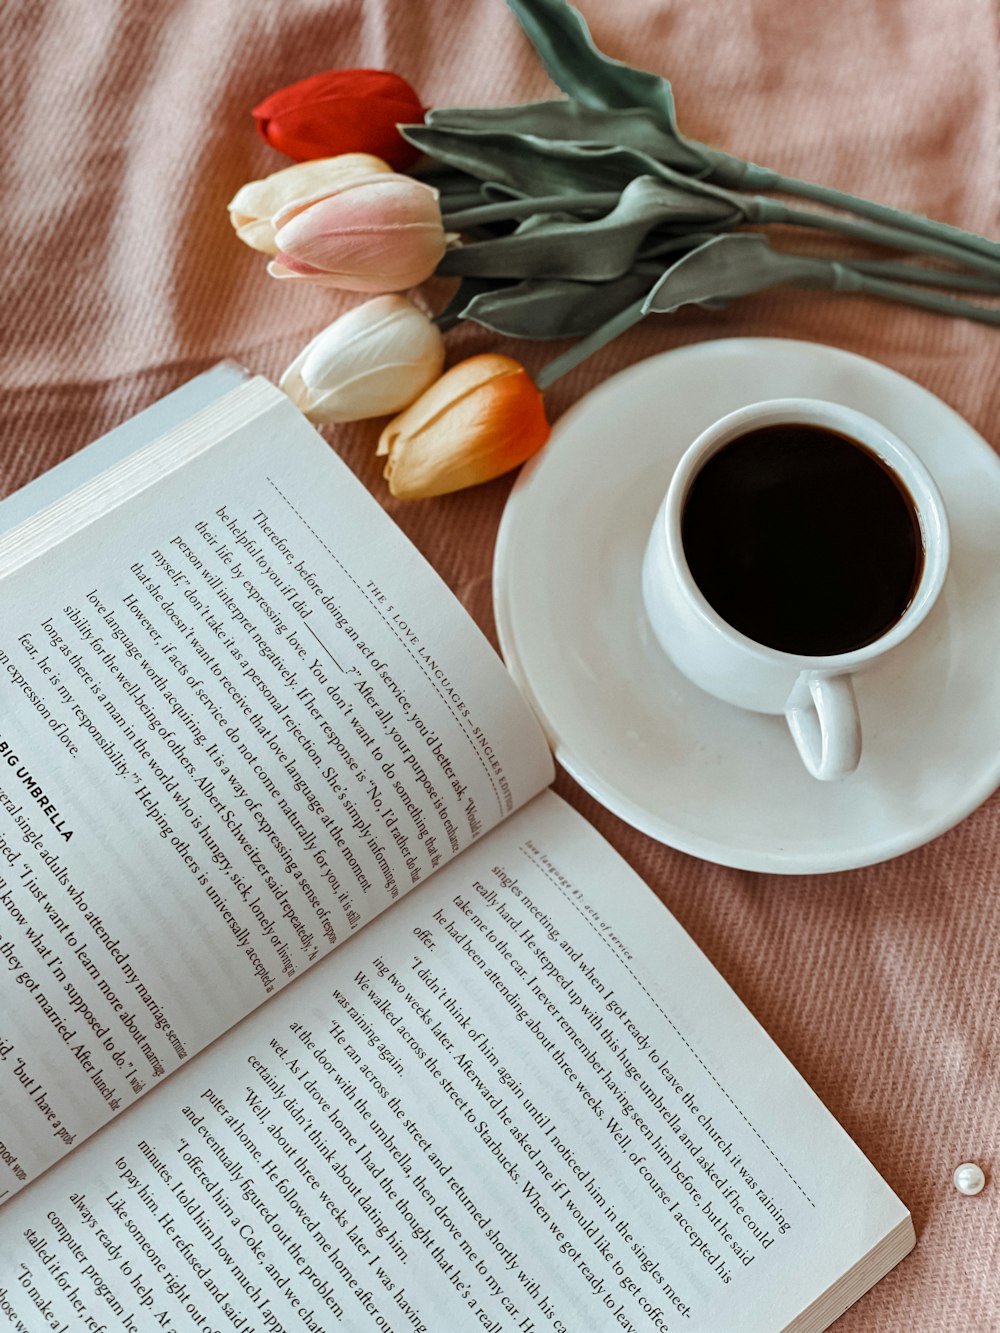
x,y
802,539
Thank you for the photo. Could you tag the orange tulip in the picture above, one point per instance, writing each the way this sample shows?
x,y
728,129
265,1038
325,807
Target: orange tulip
x,y
481,418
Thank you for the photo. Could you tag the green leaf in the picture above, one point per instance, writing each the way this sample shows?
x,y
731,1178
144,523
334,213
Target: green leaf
x,y
555,308
632,127
466,292
659,243
727,267
494,191
527,164
730,266
545,222
560,35
599,250
452,182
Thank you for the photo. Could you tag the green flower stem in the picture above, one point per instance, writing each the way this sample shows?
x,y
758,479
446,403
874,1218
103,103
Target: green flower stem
x,y
867,208
772,211
831,275
927,277
853,281
591,344
447,319
458,202
504,210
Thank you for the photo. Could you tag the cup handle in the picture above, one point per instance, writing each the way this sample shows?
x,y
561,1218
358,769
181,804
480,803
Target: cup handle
x,y
822,715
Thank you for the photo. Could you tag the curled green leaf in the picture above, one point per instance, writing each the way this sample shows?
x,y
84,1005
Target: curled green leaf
x,y
530,164
727,267
628,127
562,39
465,293
560,35
723,269
554,307
598,250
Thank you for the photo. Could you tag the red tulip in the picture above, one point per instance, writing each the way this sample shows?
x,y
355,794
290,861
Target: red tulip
x,y
342,111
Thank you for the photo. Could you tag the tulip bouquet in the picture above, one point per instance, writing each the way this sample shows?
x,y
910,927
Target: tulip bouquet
x,y
572,218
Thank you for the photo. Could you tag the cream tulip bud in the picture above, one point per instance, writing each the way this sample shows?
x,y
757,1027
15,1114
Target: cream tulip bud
x,y
252,209
372,361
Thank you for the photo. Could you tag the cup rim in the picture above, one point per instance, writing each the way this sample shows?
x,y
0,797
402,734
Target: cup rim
x,y
893,452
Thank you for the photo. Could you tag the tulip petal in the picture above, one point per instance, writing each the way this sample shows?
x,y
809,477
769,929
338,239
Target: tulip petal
x,y
482,417
278,270
376,392
347,181
341,111
255,232
255,206
286,266
380,233
372,361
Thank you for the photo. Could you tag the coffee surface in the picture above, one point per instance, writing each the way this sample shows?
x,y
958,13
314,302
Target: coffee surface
x,y
802,539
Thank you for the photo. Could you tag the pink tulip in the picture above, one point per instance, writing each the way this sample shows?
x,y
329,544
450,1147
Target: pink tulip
x,y
253,209
378,233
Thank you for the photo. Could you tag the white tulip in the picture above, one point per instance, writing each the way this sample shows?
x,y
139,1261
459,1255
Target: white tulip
x,y
372,361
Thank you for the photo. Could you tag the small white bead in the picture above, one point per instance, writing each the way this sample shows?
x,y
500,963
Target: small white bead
x,y
969,1178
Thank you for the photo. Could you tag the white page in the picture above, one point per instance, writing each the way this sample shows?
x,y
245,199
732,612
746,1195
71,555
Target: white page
x,y
239,716
522,1100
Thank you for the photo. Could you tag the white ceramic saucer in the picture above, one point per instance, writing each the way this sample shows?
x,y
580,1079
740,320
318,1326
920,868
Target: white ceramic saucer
x,y
700,775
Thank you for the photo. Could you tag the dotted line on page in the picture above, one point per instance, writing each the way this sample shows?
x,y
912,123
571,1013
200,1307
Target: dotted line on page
x,y
422,665
680,1034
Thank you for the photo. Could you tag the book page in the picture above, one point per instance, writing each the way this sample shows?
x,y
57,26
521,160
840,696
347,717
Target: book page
x,y
239,717
523,1100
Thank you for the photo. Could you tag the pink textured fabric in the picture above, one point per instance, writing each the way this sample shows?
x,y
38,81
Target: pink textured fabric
x,y
127,130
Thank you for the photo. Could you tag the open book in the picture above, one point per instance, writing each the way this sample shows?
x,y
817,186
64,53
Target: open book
x,y
413,1049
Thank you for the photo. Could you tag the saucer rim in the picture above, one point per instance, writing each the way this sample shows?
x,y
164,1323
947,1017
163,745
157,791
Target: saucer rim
x,y
774,860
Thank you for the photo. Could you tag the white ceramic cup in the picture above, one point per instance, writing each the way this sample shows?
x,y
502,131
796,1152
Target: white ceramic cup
x,y
815,693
